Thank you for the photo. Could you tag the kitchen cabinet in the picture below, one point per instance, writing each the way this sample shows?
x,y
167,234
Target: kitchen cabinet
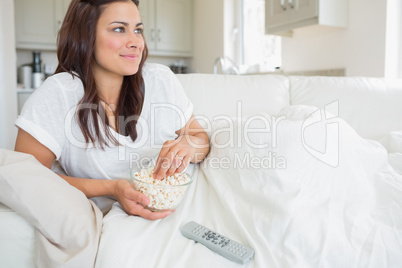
x,y
168,26
37,23
285,15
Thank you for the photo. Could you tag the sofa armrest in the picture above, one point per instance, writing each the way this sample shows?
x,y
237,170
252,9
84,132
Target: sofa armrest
x,y
17,239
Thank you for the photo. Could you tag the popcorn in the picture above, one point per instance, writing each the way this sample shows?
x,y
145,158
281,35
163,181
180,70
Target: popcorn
x,y
163,194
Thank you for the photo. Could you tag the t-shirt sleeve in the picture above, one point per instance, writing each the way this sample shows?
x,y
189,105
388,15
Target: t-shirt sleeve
x,y
43,116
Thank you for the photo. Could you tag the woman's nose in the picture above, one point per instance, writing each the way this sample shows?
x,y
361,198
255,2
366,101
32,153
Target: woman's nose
x,y
135,40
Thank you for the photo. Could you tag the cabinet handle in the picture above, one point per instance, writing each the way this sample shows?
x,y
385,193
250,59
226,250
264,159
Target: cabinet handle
x,y
159,35
283,5
291,4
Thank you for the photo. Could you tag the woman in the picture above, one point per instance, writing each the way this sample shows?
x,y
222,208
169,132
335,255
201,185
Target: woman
x,y
104,110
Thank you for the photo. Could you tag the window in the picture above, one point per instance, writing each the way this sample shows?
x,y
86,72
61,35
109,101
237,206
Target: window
x,y
259,52
393,41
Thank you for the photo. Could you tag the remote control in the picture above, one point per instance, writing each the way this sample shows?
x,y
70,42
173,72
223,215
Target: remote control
x,y
218,243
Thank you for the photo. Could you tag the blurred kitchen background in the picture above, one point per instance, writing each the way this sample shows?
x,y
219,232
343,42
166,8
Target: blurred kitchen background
x,y
239,37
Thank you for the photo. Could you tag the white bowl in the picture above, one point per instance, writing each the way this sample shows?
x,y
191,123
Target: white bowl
x,y
162,195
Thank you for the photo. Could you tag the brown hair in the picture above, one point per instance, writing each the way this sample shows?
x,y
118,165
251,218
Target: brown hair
x,y
75,52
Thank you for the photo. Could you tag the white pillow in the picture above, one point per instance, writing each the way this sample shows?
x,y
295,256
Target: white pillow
x,y
297,137
68,224
372,106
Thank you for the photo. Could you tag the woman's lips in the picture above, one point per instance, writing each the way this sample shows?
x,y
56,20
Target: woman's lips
x,y
130,56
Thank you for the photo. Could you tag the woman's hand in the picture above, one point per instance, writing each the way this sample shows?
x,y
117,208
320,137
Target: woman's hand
x,y
174,157
131,200
192,145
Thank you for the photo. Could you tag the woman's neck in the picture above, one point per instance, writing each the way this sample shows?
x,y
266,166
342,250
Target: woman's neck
x,y
108,87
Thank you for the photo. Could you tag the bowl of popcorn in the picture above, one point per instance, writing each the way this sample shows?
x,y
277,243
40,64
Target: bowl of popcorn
x,y
164,194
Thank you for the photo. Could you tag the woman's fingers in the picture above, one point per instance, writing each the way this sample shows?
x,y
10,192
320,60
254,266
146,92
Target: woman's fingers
x,y
125,190
138,210
165,159
163,165
179,163
150,215
174,157
186,161
161,156
172,164
133,202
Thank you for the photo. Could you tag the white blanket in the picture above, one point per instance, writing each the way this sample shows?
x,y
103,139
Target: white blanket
x,y
317,196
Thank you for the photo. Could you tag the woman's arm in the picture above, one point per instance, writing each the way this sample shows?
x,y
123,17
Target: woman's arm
x,y
119,189
192,145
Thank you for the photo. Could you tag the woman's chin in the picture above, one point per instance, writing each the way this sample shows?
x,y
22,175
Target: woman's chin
x,y
129,73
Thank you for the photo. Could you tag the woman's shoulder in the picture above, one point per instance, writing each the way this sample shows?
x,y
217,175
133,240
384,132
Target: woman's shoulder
x,y
64,81
60,87
156,69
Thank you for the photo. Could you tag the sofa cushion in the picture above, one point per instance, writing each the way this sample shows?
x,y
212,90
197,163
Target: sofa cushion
x,y
231,95
17,239
372,106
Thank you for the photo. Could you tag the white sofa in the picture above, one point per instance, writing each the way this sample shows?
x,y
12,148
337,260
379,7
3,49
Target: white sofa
x,y
371,106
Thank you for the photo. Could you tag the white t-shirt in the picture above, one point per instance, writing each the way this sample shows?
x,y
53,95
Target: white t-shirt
x,y
49,116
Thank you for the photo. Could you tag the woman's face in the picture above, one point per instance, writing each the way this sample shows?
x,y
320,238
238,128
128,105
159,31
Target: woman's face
x,y
119,42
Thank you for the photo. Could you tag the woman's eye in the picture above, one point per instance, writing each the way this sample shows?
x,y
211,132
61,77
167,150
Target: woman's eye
x,y
138,31
119,29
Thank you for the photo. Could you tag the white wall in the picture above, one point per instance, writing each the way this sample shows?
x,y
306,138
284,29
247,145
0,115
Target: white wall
x,y
360,48
208,34
8,76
